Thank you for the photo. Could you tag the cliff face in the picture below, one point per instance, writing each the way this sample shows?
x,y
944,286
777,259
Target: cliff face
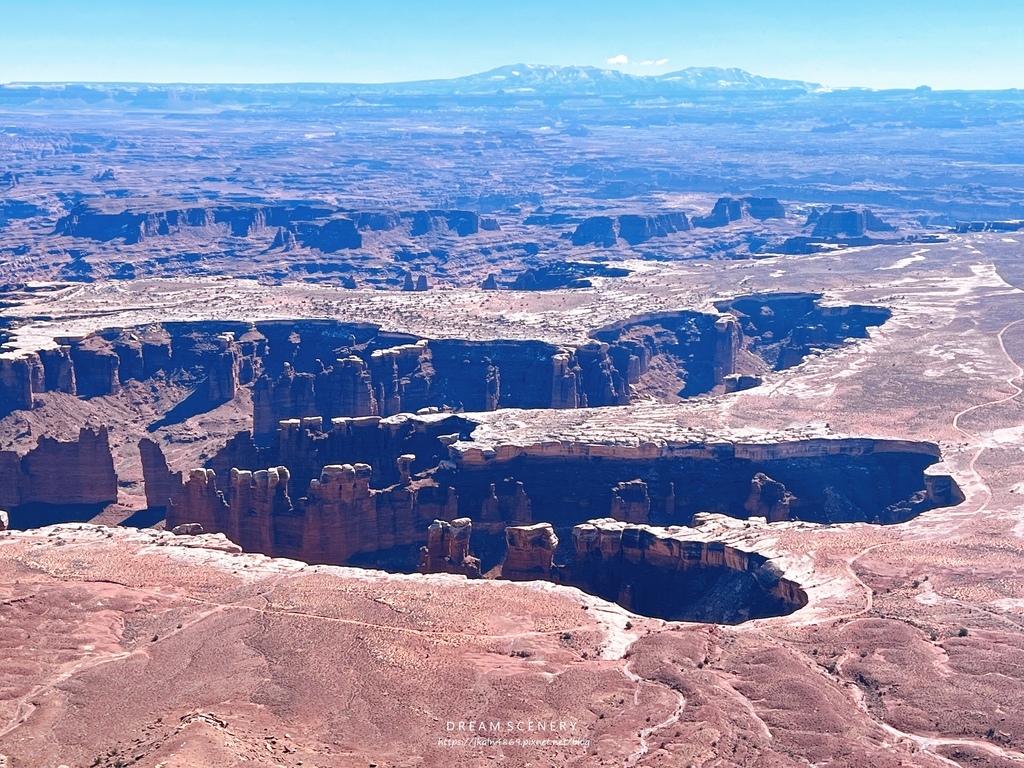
x,y
330,369
826,481
782,329
370,484
605,231
674,574
17,378
72,473
730,209
842,222
325,228
329,236
700,348
226,355
337,516
447,374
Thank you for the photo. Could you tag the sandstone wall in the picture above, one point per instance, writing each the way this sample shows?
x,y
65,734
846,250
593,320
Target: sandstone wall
x,y
79,472
653,570
842,480
219,356
336,517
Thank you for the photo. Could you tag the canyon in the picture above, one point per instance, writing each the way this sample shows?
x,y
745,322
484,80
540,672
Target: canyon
x,y
331,416
370,458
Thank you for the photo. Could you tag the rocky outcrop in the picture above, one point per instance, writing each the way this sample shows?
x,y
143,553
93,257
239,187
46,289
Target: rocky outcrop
x,y
531,552
447,549
330,236
58,370
375,486
447,374
635,229
419,284
506,503
842,222
163,487
630,502
726,211
330,369
346,389
339,516
764,208
769,499
702,348
188,529
835,480
223,378
284,240
96,367
17,374
101,363
596,230
325,228
563,274
291,395
730,209
73,473
738,382
783,328
463,223
1009,225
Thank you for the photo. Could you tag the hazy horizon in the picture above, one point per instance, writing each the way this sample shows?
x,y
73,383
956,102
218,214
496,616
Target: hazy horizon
x,y
873,44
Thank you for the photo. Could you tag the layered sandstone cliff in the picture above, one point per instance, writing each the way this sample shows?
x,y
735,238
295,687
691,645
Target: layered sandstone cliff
x,y
447,549
673,573
72,473
337,516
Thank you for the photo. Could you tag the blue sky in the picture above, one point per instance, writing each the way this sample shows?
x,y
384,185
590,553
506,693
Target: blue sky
x,y
897,43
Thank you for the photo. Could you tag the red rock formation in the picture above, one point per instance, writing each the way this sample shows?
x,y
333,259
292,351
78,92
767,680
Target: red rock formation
x,y
163,487
507,503
346,389
531,552
291,395
630,502
59,370
199,502
654,570
339,516
55,472
223,376
447,549
768,499
16,381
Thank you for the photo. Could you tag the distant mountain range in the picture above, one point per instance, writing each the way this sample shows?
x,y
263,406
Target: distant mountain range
x,y
546,79
522,80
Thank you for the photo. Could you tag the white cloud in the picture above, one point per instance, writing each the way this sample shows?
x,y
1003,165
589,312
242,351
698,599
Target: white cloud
x,y
622,60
